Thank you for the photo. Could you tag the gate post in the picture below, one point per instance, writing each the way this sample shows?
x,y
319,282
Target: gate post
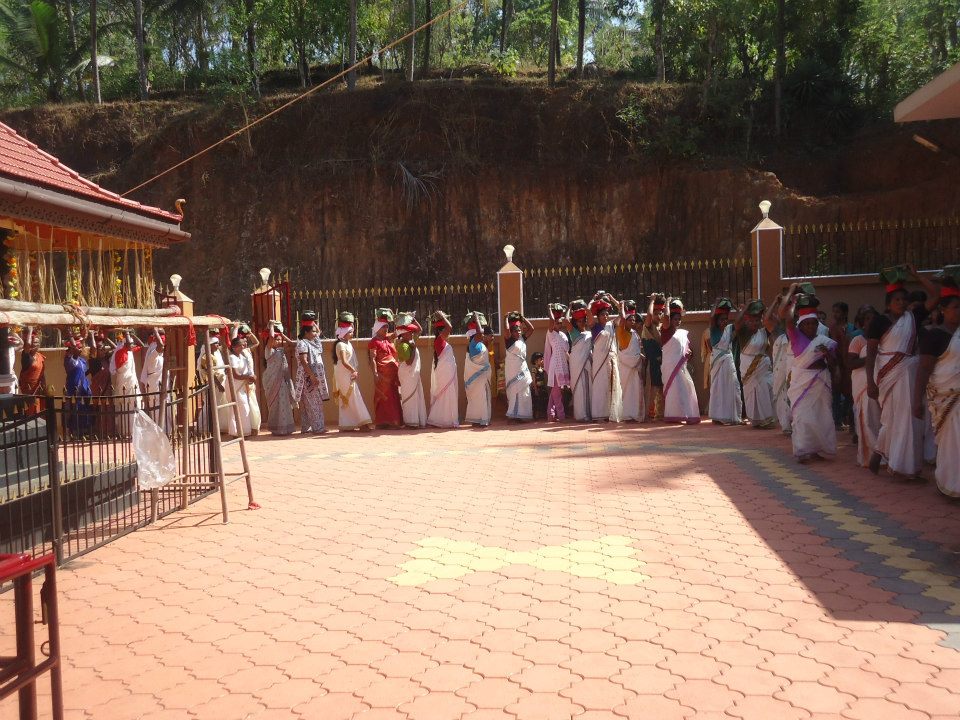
x,y
265,304
767,251
184,358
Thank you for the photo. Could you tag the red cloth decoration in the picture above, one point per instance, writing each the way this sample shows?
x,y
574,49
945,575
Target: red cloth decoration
x,y
949,291
807,312
893,287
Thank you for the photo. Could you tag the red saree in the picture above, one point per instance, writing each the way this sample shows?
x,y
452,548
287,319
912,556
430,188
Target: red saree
x,y
32,380
387,408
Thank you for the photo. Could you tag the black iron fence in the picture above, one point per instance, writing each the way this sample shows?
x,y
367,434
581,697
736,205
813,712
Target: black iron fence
x,y
858,248
698,283
69,480
455,300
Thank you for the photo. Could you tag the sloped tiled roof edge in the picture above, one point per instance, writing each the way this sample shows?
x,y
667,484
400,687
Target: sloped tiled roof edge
x,y
23,161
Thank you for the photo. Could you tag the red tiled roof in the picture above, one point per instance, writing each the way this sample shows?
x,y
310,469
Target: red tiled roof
x,y
21,160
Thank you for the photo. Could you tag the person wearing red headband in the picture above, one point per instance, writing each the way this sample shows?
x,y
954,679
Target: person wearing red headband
x,y
680,404
606,396
79,418
516,371
476,374
277,384
101,348
353,413
753,328
725,406
411,382
556,361
630,363
444,394
310,387
892,365
654,323
385,366
813,432
250,342
581,346
126,388
938,382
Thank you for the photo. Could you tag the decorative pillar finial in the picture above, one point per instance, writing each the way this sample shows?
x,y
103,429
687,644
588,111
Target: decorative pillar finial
x,y
765,208
508,251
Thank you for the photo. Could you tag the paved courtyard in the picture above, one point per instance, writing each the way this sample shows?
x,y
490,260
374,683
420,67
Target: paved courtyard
x,y
526,572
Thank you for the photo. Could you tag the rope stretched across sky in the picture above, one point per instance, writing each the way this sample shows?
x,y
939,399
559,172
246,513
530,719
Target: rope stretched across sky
x,y
301,96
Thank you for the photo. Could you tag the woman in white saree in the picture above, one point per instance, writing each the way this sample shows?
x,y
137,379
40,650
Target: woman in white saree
x,y
516,371
726,406
940,362
353,411
476,375
630,364
892,364
814,434
605,392
444,394
679,391
581,345
411,382
756,371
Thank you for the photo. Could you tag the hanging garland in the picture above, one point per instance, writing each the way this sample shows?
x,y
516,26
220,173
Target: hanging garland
x,y
8,268
117,281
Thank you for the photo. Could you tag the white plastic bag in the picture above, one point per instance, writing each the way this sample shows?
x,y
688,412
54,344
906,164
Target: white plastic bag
x,y
157,465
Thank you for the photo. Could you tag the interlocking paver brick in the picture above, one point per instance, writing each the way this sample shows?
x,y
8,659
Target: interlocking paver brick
x,y
447,678
332,706
437,706
544,706
756,706
545,678
873,708
642,707
815,697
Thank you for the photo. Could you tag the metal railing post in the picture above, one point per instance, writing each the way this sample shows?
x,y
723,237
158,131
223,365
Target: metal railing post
x,y
53,468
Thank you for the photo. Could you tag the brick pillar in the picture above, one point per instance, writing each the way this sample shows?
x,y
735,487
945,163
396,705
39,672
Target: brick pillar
x,y
766,248
265,306
509,299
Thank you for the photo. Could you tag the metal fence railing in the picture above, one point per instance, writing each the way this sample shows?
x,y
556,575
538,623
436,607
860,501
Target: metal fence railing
x,y
867,247
455,300
69,479
696,282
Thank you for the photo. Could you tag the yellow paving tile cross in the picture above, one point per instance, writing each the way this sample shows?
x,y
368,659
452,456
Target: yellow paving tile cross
x,y
609,558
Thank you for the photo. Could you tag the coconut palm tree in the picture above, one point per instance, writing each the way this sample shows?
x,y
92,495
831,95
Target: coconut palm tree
x,y
36,47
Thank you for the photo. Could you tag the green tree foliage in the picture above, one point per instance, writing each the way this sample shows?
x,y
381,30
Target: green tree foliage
x,y
757,65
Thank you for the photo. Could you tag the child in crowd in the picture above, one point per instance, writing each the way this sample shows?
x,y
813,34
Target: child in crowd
x,y
541,390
